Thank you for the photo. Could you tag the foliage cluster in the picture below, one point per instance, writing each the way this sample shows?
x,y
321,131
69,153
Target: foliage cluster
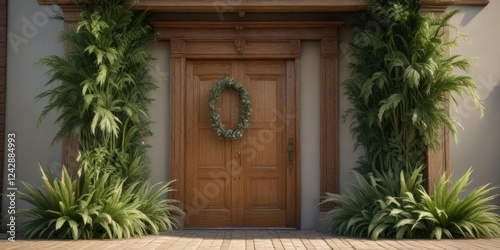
x,y
400,86
105,80
374,209
99,207
246,109
102,98
400,83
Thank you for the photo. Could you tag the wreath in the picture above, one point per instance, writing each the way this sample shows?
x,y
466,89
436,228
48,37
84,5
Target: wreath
x,y
246,109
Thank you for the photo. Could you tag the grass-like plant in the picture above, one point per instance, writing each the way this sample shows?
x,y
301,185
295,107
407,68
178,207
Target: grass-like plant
x,y
369,211
446,215
95,207
159,210
54,205
366,208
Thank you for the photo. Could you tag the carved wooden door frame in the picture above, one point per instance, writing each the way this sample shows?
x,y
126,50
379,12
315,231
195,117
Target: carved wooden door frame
x,y
254,40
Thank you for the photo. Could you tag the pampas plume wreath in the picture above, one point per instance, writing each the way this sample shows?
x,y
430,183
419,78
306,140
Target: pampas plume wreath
x,y
246,109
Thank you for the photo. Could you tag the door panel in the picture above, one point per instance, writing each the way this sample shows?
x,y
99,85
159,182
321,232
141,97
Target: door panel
x,y
208,181
244,182
263,163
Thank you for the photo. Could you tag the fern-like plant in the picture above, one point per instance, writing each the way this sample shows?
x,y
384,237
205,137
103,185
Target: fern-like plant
x,y
369,209
400,83
399,87
446,215
96,207
102,98
103,82
159,210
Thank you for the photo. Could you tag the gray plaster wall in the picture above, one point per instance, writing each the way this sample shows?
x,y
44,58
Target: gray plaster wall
x,y
479,141
309,133
31,36
159,114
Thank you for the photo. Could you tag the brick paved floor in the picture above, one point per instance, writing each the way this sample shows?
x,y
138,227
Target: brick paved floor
x,y
249,239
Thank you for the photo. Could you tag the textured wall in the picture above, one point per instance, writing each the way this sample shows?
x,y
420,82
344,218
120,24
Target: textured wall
x,y
3,74
479,142
158,112
31,36
309,133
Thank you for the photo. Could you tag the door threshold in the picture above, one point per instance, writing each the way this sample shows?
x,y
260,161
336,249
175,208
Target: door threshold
x,y
242,228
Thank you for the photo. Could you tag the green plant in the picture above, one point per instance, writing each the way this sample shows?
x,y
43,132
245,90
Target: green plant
x,y
366,208
400,86
58,202
157,208
104,83
95,207
400,83
102,98
446,215
118,163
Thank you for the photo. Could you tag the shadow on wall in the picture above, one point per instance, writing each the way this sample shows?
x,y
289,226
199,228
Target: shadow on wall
x,y
490,122
479,141
469,16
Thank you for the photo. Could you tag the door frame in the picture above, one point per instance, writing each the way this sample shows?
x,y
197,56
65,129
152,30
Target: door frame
x,y
255,40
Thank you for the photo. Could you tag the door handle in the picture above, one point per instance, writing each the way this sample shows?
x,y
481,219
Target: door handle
x,y
290,152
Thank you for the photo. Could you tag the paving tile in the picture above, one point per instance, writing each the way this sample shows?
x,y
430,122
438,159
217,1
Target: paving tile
x,y
251,239
337,244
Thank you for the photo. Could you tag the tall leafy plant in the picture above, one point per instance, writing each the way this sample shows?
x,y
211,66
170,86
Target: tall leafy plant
x,y
400,86
104,85
401,82
102,96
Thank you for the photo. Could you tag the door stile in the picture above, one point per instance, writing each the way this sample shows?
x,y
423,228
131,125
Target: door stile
x,y
264,135
296,132
239,75
292,143
235,160
177,127
236,186
189,137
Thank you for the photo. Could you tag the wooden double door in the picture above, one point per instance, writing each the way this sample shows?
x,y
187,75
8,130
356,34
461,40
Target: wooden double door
x,y
251,181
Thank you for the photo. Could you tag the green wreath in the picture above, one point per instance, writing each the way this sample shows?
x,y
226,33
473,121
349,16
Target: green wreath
x,y
246,109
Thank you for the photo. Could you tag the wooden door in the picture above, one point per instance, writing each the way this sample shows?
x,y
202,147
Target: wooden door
x,y
251,181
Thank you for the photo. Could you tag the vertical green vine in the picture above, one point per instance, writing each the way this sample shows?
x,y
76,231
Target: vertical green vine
x,y
400,86
101,93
